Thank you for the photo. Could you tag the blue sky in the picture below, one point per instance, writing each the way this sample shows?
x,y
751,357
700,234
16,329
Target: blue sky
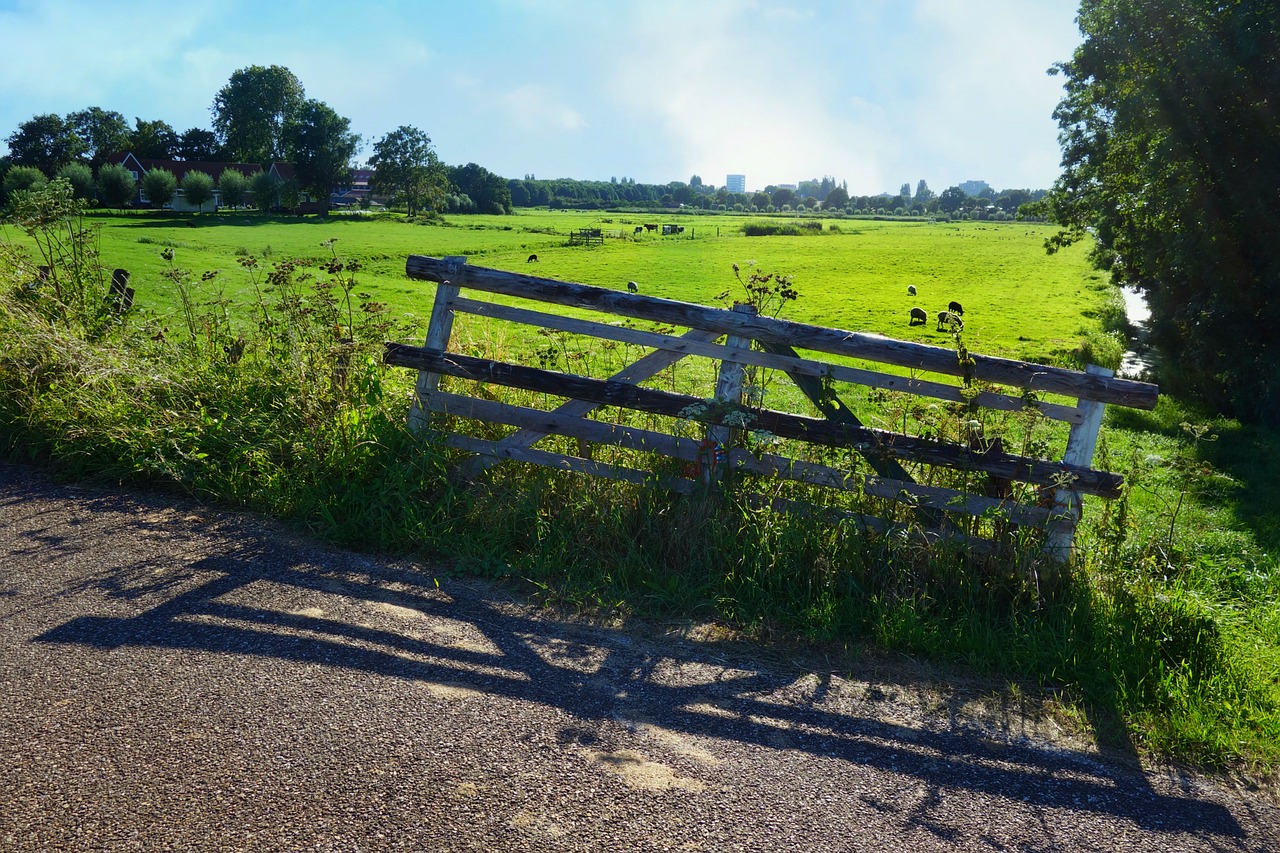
x,y
874,92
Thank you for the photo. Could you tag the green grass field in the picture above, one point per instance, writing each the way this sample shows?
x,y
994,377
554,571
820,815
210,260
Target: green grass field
x,y
1019,302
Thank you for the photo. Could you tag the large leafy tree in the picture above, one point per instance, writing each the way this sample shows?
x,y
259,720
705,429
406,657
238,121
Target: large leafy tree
x,y
198,144
406,169
103,133
1170,132
322,146
489,192
250,112
45,142
953,199
155,140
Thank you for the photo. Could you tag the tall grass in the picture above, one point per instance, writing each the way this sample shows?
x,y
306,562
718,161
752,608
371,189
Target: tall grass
x,y
1166,632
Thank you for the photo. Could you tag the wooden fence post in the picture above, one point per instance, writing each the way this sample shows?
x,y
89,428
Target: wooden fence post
x,y
728,390
439,330
1067,505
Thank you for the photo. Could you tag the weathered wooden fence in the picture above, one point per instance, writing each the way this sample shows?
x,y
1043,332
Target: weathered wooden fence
x,y
1052,503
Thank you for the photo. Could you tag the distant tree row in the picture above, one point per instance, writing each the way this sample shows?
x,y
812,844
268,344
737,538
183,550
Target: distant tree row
x,y
823,195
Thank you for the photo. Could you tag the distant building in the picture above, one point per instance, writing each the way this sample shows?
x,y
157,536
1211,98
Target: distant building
x,y
975,188
735,183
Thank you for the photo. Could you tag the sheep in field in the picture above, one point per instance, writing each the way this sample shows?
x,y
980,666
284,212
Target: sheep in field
x,y
633,287
918,317
955,308
532,259
950,319
911,290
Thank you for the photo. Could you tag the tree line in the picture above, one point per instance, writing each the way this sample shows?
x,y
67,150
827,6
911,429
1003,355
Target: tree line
x,y
260,117
824,195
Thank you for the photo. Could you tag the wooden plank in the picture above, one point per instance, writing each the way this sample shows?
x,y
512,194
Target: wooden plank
x,y
1037,377
562,462
638,371
1068,505
793,365
439,330
766,465
728,392
1013,467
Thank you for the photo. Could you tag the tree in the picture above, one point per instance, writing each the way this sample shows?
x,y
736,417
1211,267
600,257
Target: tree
x,y
154,140
783,196
250,112
45,142
197,144
22,179
159,185
953,199
233,187
265,189
924,195
103,133
406,169
197,188
116,185
487,190
905,192
1171,159
1010,200
836,199
80,178
321,145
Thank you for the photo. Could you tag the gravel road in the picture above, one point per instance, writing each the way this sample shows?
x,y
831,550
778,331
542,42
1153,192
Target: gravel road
x,y
178,678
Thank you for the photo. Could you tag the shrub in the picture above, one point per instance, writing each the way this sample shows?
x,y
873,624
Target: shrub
x,y
159,186
197,188
265,189
233,186
116,185
80,177
22,178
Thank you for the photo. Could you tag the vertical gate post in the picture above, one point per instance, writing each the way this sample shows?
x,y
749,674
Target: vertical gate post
x,y
1081,443
439,330
728,390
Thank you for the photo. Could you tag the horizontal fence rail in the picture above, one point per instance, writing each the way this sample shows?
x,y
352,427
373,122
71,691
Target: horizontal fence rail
x,y
1057,485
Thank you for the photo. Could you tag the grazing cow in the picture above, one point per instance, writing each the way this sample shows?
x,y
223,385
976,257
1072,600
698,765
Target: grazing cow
x,y
956,309
911,290
633,287
950,319
532,259
649,227
918,317
639,229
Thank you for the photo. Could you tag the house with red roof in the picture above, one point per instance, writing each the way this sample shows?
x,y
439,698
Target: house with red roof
x,y
139,166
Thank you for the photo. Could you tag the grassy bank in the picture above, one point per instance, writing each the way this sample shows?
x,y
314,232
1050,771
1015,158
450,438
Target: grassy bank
x,y
262,387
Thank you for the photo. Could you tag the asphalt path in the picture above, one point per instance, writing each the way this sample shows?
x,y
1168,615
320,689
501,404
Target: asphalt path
x,y
173,677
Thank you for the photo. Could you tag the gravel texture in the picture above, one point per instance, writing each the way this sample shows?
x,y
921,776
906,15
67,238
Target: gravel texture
x,y
178,678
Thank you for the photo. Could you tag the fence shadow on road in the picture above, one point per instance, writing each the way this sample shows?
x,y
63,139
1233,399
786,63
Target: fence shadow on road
x,y
231,603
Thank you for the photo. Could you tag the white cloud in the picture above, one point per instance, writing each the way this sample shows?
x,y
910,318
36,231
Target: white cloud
x,y
534,108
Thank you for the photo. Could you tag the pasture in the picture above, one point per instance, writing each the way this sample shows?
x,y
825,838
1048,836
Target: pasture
x,y
1019,302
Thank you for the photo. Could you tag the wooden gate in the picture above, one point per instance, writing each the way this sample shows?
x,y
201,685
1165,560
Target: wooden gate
x,y
1050,500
